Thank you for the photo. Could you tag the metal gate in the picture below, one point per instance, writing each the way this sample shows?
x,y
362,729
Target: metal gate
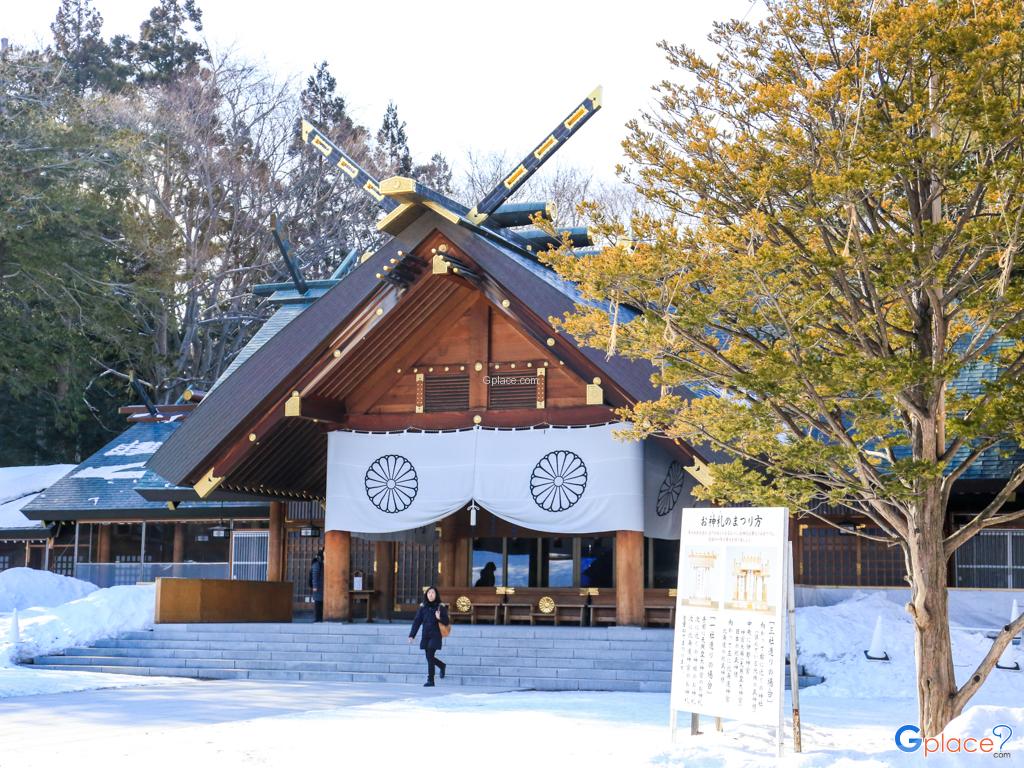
x,y
992,559
249,555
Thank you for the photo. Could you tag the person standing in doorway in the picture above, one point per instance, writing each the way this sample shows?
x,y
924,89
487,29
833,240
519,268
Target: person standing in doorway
x,y
431,614
316,584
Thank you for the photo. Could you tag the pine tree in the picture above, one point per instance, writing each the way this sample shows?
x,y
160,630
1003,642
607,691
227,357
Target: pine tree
x,y
392,150
79,44
164,50
437,174
326,214
832,248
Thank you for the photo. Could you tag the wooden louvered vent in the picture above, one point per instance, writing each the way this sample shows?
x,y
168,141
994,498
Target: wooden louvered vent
x,y
446,393
517,391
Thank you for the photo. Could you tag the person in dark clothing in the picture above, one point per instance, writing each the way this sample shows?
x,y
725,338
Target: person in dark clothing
x,y
487,575
316,584
431,613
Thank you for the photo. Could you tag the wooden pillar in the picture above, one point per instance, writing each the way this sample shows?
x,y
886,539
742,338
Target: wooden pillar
x,y
384,578
275,543
446,554
337,566
629,578
103,548
461,577
178,552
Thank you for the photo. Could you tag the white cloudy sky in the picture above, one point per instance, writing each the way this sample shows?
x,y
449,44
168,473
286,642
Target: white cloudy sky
x,y
492,76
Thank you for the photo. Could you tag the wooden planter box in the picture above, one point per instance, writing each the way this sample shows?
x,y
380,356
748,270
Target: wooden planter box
x,y
216,601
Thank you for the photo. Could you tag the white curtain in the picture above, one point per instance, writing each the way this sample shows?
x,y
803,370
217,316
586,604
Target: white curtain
x,y
554,480
667,490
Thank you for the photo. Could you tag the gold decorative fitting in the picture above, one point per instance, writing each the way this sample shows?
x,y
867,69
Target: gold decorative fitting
x,y
379,275
546,146
597,379
295,393
438,266
186,395
446,369
337,353
252,437
505,303
550,342
478,366
380,311
477,419
700,471
595,395
546,605
430,370
400,253
207,484
576,116
386,268
462,367
293,405
513,365
542,371
419,376
673,592
516,176
399,370
463,604
443,247
496,366
415,370
348,168
393,261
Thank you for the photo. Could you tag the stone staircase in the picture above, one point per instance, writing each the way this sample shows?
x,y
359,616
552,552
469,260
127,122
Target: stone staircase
x,y
543,658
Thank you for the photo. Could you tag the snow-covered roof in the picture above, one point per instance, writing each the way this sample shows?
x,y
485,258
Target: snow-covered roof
x,y
104,486
19,486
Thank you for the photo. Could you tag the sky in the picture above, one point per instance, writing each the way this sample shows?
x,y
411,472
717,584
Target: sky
x,y
486,76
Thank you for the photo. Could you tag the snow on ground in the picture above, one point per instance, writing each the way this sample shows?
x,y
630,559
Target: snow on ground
x,y
103,613
248,723
831,642
57,613
850,720
22,588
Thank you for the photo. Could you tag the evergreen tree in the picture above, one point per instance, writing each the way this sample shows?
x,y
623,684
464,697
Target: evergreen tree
x,y
78,43
392,150
832,250
164,50
437,174
64,310
326,214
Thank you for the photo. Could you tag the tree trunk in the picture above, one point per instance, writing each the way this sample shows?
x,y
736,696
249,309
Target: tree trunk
x,y
929,607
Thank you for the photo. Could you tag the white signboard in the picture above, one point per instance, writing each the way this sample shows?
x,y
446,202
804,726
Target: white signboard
x,y
728,659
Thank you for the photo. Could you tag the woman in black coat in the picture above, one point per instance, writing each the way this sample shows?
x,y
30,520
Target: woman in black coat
x,y
431,613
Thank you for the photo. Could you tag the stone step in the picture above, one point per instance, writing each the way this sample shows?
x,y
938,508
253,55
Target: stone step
x,y
343,652
511,683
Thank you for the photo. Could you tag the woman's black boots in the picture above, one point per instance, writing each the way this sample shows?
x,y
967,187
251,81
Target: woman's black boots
x,y
443,667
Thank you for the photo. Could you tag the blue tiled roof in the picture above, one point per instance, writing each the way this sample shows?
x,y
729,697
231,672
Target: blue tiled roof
x,y
999,462
106,482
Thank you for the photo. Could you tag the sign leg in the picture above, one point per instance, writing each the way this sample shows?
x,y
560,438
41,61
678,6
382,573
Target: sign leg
x,y
694,724
794,665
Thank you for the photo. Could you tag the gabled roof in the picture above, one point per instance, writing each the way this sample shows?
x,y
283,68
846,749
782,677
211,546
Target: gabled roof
x,y
104,486
267,376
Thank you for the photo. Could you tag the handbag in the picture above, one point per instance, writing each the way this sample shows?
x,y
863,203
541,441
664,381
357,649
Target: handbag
x,y
446,629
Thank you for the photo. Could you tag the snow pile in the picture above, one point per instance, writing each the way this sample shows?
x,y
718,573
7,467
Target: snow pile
x,y
831,642
22,588
103,613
